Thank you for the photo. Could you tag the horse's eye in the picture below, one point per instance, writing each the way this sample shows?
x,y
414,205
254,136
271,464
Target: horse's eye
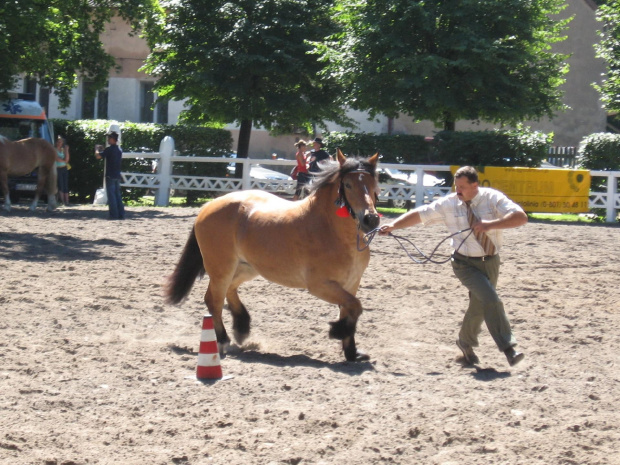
x,y
347,185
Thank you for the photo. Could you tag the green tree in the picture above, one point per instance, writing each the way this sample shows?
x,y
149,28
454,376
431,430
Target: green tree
x,y
609,50
246,61
449,60
58,41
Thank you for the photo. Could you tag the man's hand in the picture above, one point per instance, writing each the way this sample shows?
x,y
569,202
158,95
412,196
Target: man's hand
x,y
386,229
481,226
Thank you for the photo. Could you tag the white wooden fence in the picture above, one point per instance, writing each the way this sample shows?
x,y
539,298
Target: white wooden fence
x,y
164,181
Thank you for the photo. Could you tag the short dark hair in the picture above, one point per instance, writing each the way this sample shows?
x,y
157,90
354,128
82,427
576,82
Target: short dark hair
x,y
468,172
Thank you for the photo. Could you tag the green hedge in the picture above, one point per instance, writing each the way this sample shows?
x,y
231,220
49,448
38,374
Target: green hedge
x,y
600,151
86,174
407,149
521,147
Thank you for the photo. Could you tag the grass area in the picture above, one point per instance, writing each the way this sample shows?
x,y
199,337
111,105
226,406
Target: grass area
x,y
149,201
565,217
386,211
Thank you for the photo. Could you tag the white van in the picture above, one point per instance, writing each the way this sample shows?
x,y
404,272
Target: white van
x,y
22,117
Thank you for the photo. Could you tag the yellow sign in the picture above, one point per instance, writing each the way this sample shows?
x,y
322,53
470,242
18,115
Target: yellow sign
x,y
539,190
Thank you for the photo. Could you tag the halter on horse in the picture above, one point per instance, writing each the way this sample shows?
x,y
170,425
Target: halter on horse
x,y
307,244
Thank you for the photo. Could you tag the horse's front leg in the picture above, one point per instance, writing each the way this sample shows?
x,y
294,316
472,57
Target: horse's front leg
x,y
344,329
350,311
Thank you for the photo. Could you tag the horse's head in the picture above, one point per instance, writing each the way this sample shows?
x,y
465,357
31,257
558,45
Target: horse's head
x,y
359,189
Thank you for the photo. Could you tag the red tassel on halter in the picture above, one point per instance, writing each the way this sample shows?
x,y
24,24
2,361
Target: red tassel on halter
x,y
343,212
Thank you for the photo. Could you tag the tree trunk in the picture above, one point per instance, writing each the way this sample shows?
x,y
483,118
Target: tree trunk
x,y
243,144
449,125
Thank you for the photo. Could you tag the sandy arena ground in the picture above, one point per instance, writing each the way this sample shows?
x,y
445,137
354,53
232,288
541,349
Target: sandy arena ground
x,y
96,369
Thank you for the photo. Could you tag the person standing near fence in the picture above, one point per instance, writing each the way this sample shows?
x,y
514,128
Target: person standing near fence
x,y
318,156
62,168
481,213
113,156
301,169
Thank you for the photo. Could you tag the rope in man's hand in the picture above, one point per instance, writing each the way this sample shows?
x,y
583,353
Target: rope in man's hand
x,y
368,237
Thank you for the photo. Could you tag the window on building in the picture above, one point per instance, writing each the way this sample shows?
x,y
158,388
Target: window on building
x,y
30,86
162,111
97,107
147,98
151,109
44,99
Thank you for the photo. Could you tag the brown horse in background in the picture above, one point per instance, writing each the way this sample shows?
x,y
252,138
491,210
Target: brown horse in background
x,y
309,244
23,157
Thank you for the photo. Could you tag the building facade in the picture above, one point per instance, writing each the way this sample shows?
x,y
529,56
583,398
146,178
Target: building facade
x,y
129,94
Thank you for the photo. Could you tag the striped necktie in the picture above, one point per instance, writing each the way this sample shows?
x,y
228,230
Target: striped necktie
x,y
484,240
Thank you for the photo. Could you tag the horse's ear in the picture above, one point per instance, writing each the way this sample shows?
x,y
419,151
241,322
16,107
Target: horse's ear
x,y
341,157
374,159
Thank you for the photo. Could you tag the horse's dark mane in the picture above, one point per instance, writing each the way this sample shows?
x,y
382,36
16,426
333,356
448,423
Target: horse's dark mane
x,y
352,164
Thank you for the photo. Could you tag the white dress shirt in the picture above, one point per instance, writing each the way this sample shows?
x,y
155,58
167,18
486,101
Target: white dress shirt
x,y
488,204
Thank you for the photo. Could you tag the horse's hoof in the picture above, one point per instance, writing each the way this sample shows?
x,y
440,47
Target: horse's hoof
x,y
240,337
223,348
357,356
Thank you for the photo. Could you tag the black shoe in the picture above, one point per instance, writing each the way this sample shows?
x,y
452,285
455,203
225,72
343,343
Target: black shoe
x,y
468,352
513,356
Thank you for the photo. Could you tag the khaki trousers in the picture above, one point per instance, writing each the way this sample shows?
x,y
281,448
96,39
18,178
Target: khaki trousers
x,y
480,278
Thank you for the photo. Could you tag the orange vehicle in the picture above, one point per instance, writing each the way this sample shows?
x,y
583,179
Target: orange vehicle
x,y
21,117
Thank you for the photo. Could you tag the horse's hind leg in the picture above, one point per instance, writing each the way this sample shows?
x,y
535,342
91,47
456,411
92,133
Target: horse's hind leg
x,y
41,181
241,317
214,299
4,186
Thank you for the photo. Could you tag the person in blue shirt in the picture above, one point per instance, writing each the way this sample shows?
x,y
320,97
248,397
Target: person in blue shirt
x,y
113,156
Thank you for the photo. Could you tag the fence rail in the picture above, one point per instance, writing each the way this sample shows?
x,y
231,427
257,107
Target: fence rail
x,y
403,193
565,157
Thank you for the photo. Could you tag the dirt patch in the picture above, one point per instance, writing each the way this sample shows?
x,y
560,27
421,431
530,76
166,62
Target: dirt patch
x,y
95,369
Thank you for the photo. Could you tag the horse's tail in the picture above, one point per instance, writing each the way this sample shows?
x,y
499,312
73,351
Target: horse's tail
x,y
189,268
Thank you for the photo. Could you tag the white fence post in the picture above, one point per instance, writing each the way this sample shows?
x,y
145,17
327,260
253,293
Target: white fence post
x,y
166,151
419,188
246,180
612,190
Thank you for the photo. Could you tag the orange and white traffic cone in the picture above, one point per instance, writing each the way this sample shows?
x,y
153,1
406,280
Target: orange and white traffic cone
x,y
208,354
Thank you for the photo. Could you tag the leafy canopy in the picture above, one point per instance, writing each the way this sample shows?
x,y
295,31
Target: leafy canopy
x,y
58,41
609,50
246,60
447,60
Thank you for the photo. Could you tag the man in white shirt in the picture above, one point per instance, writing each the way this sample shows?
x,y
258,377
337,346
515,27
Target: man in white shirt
x,y
475,260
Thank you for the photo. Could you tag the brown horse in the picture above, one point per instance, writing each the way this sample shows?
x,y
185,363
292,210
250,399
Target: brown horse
x,y
23,157
309,244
